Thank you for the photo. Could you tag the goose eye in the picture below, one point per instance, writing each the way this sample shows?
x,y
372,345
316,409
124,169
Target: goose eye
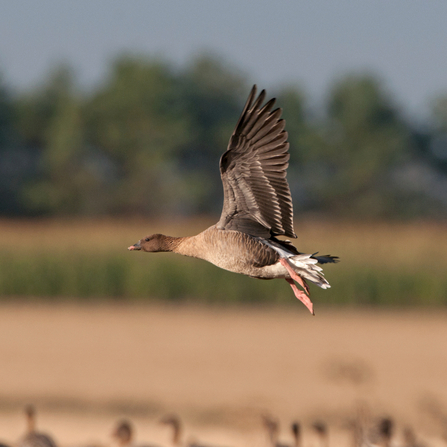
x,y
147,239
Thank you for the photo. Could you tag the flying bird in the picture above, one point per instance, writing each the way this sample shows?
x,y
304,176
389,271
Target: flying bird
x,y
257,208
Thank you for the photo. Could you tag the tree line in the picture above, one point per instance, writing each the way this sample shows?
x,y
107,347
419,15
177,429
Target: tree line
x,y
146,141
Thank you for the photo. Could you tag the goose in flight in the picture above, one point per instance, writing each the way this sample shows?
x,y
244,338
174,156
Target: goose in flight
x,y
257,208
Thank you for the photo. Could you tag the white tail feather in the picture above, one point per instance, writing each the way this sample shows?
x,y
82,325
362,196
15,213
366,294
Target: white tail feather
x,y
307,267
303,265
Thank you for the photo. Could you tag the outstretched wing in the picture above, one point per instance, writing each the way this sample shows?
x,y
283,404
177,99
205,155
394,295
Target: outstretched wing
x,y
257,196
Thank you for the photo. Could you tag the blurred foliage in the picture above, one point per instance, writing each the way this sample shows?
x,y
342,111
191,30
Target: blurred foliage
x,y
387,264
107,275
438,148
147,139
366,140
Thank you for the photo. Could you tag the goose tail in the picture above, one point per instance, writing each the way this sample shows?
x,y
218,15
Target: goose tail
x,y
325,259
306,266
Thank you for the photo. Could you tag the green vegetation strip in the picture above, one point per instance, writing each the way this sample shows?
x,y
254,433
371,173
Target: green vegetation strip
x,y
165,277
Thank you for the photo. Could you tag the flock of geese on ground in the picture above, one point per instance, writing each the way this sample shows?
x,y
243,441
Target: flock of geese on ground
x,y
380,434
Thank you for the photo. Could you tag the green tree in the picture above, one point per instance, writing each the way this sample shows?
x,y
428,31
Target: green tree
x,y
12,163
51,123
6,116
438,147
212,95
306,141
366,138
147,140
136,121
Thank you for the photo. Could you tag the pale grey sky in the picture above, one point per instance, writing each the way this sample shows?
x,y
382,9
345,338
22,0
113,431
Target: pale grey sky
x,y
309,43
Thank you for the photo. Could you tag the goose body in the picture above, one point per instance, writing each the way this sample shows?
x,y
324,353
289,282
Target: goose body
x,y
257,208
238,252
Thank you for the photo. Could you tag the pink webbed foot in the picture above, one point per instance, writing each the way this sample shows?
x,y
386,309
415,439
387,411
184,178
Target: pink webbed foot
x,y
301,296
298,293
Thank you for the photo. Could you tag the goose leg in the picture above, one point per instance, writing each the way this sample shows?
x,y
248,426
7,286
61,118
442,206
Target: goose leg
x,y
294,275
298,293
301,296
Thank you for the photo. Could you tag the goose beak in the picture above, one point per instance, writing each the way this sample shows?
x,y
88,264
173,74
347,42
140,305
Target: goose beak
x,y
136,246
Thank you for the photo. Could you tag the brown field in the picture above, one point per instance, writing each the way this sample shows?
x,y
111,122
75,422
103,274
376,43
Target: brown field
x,y
219,369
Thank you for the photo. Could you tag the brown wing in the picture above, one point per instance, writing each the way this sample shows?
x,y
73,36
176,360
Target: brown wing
x,y
257,196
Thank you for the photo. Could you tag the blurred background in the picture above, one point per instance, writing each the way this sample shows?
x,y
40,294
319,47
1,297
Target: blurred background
x,y
113,116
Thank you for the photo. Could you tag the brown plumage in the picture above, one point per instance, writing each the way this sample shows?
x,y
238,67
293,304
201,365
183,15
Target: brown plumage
x,y
257,198
257,208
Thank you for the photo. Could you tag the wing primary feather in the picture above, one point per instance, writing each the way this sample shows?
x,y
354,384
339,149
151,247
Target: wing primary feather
x,y
260,119
247,105
253,114
257,197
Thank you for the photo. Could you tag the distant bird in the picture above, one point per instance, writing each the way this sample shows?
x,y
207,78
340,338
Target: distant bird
x,y
272,427
296,432
174,422
382,432
33,438
257,208
321,430
386,428
359,425
123,434
177,432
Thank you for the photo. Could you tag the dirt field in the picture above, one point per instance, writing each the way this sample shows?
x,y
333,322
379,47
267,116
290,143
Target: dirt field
x,y
219,369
